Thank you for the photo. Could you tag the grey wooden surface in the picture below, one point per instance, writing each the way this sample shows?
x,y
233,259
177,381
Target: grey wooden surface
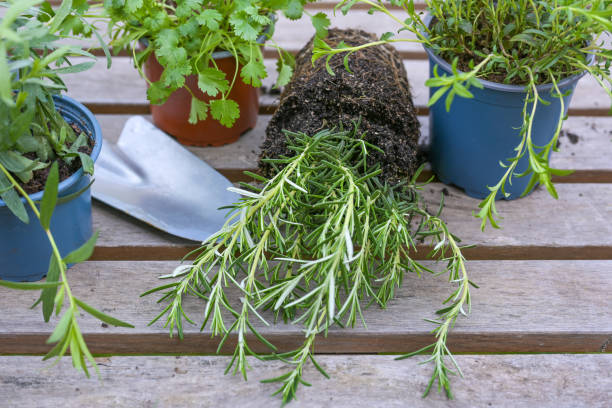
x,y
521,306
545,283
517,381
120,89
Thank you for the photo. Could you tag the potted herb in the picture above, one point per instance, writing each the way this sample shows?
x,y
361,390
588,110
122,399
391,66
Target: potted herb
x,y
48,145
331,228
514,65
202,60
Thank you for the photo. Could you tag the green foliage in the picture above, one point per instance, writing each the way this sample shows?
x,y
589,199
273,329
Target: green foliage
x,y
56,292
520,41
314,245
32,133
31,64
184,35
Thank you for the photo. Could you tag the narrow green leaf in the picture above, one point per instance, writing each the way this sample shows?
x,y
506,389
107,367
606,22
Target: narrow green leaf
x,y
60,14
84,252
48,295
62,327
29,285
47,204
12,199
6,94
102,316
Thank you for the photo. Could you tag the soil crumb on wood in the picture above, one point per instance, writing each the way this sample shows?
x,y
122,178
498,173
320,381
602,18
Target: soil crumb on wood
x,y
572,137
37,183
376,93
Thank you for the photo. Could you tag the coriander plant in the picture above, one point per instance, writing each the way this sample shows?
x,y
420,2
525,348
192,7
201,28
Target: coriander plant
x,y
519,42
313,245
184,34
33,137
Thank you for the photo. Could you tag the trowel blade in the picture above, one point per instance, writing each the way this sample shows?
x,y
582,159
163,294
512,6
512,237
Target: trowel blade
x,y
150,176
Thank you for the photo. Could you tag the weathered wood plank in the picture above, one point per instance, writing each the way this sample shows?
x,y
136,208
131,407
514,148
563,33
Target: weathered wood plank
x,y
577,226
521,306
518,381
584,147
125,238
121,90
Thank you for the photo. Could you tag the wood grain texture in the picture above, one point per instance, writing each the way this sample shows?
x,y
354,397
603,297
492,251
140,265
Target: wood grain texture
x,y
571,235
576,226
518,381
521,306
121,90
585,147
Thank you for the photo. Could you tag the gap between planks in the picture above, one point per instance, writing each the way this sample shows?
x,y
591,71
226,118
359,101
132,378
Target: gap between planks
x,y
120,90
584,152
478,253
336,343
520,307
266,107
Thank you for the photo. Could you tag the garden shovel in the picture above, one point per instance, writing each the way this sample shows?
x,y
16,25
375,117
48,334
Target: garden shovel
x,y
151,177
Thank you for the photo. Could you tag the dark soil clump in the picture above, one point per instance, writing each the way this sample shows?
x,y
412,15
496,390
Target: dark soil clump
x,y
37,183
376,93
572,137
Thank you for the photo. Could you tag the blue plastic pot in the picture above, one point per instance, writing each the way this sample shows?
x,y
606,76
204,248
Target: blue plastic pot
x,y
469,141
24,248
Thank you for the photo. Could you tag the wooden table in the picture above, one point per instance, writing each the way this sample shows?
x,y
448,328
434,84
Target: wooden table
x,y
539,333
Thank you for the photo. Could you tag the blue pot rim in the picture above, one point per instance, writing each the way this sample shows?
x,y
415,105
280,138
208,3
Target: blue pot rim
x,y
496,86
61,100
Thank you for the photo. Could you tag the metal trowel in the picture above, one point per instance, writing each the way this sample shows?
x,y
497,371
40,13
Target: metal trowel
x,y
150,176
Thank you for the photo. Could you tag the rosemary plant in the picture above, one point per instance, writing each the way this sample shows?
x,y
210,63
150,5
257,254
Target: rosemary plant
x,y
34,136
312,245
519,42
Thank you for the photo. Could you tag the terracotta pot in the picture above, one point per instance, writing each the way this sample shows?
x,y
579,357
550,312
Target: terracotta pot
x,y
172,117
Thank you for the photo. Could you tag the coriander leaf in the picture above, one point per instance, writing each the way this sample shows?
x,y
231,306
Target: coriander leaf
x,y
174,75
285,71
157,93
172,55
241,5
320,22
157,21
189,29
253,72
243,28
167,38
210,19
133,5
212,81
225,111
185,7
198,111
294,9
254,15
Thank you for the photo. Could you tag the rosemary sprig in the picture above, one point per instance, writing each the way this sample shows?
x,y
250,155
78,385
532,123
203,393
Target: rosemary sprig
x,y
310,245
